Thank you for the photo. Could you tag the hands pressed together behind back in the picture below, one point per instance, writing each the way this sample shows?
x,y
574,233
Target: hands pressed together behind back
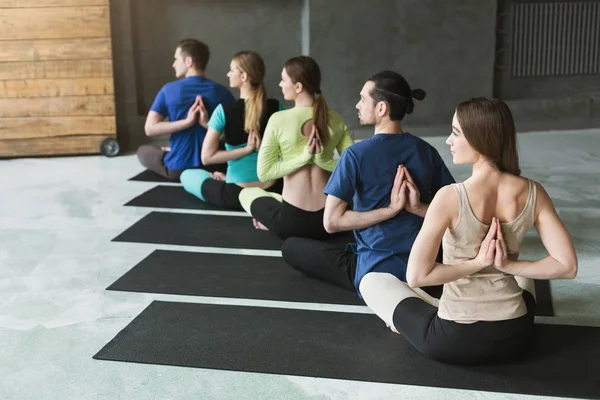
x,y
197,113
405,194
493,248
314,143
253,143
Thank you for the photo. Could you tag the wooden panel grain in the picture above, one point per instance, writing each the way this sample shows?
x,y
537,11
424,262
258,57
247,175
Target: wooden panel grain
x,y
51,3
26,88
29,128
55,69
49,23
59,106
55,49
85,144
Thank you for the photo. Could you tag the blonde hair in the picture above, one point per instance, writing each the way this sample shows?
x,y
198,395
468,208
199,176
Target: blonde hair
x,y
253,65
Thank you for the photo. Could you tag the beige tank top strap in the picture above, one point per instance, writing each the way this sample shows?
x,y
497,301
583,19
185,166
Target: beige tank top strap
x,y
463,205
531,200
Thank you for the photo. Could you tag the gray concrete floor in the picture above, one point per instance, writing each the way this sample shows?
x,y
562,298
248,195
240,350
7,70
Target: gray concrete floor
x,y
57,218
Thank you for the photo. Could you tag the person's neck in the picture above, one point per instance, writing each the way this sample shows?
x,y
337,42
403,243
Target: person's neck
x,y
245,92
193,72
388,127
304,100
484,168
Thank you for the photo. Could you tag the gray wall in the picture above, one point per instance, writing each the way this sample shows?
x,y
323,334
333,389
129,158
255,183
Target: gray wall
x,y
445,47
272,29
145,33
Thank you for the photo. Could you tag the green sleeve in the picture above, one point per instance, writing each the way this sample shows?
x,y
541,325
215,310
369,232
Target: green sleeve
x,y
268,166
328,164
346,141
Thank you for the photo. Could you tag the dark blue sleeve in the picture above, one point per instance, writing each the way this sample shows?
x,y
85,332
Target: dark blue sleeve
x,y
442,176
343,181
160,103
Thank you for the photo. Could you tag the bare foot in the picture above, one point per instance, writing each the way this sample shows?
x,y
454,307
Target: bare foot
x,y
258,225
392,329
217,176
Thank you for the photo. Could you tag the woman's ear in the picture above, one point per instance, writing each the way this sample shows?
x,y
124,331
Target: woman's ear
x,y
299,87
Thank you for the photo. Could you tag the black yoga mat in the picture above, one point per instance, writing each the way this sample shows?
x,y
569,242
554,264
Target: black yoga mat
x,y
149,176
171,197
564,361
237,276
228,275
199,230
543,299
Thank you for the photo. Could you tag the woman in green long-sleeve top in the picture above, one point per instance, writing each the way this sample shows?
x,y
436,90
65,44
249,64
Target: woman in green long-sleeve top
x,y
298,145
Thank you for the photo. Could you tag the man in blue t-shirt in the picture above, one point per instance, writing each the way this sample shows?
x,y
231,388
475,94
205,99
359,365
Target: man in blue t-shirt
x,y
389,179
187,103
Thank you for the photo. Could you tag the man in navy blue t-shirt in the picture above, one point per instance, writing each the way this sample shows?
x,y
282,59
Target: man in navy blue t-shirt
x,y
389,179
187,103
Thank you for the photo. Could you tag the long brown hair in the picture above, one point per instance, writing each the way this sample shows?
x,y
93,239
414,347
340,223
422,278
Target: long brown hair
x,y
489,127
253,65
305,70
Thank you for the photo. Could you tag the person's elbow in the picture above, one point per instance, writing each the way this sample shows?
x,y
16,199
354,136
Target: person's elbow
x,y
330,224
413,280
571,267
148,130
206,159
262,174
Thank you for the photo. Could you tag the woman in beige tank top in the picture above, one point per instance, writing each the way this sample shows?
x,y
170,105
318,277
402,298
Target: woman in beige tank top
x,y
486,311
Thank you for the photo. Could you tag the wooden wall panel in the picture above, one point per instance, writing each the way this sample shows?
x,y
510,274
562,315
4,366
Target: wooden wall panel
x,y
56,77
61,22
55,87
51,3
29,128
55,49
58,106
84,144
56,69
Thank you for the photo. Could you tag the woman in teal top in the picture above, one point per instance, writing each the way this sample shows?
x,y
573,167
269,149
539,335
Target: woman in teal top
x,y
242,123
298,145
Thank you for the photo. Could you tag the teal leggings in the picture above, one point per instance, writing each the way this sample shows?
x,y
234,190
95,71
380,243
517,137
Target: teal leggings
x,y
192,180
218,193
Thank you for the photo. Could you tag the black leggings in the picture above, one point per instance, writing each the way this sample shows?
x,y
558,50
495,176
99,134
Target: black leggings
x,y
226,195
331,261
286,220
482,342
